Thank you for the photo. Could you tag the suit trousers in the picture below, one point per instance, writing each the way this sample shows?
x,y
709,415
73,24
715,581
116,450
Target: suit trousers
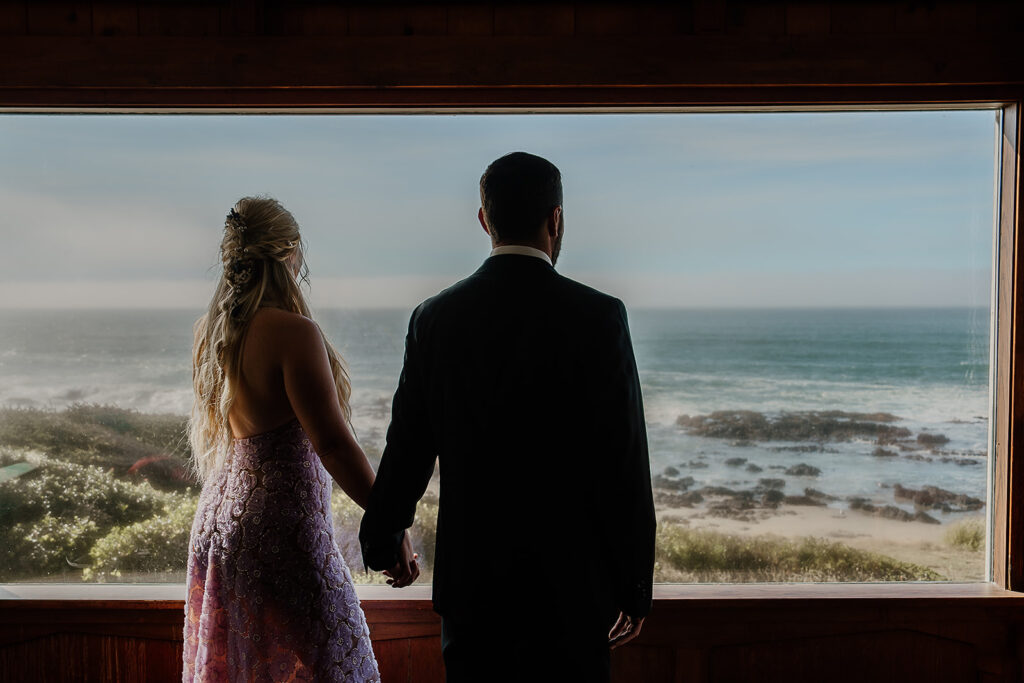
x,y
528,653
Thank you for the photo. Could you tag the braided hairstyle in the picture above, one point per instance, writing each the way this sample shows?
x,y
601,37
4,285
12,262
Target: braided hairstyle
x,y
259,253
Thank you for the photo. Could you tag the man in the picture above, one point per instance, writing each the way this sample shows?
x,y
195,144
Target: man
x,y
522,384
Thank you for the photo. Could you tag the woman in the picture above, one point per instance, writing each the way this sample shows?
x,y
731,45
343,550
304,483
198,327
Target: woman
x,y
269,597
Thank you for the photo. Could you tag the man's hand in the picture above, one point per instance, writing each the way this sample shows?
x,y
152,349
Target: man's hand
x,y
406,570
626,629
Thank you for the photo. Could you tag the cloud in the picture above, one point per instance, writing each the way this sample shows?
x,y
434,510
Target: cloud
x,y
52,237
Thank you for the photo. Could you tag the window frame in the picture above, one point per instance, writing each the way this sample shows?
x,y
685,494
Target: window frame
x,y
1005,548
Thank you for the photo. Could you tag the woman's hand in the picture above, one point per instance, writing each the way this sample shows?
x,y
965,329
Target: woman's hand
x,y
406,570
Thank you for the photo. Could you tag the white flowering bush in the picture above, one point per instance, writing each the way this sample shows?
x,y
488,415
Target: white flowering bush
x,y
157,544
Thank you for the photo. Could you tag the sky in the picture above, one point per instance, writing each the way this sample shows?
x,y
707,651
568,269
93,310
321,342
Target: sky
x,y
688,210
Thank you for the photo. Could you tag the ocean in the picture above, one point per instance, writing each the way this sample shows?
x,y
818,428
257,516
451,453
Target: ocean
x,y
927,367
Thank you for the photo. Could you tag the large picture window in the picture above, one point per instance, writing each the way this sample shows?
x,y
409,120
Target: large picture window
x,y
810,299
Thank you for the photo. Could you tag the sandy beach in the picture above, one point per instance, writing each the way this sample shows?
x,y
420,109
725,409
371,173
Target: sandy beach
x,y
915,542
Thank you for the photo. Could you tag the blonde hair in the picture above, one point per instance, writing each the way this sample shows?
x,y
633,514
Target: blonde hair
x,y
261,239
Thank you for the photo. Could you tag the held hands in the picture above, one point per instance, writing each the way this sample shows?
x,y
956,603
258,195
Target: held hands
x,y
406,570
625,629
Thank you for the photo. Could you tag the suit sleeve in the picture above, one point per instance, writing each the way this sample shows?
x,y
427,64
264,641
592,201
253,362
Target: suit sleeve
x,y
631,522
405,466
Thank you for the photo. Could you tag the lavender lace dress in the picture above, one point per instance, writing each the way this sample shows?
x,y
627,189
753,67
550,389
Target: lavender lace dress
x,y
269,597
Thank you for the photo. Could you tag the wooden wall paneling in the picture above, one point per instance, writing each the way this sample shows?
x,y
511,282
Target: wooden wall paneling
x,y
609,19
698,640
540,19
643,663
756,18
59,18
313,19
1000,16
882,657
395,61
691,663
426,663
115,19
340,98
936,17
1013,220
400,619
709,16
808,18
1006,534
467,19
177,19
398,20
27,620
30,661
13,18
87,657
394,659
866,18
242,17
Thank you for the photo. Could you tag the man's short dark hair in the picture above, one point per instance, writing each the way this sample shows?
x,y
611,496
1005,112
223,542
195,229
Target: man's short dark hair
x,y
518,191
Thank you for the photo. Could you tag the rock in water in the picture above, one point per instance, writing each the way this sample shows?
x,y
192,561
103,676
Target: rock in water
x,y
819,426
803,470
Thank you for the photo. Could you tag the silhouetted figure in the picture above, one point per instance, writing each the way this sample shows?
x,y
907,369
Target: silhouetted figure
x,y
523,385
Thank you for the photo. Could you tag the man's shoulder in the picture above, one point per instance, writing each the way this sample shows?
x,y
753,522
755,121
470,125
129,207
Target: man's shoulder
x,y
447,297
588,294
474,293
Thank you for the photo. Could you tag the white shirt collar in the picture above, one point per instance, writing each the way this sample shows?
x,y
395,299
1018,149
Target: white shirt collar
x,y
521,250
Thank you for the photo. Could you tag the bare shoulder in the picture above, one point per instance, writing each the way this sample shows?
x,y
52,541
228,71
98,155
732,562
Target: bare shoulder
x,y
277,327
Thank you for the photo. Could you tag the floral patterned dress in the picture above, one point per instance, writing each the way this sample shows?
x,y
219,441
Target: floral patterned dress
x,y
269,597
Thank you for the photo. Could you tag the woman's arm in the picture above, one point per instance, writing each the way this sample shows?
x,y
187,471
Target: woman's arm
x,y
313,395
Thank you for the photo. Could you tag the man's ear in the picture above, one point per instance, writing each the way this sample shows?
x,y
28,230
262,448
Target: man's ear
x,y
554,220
483,222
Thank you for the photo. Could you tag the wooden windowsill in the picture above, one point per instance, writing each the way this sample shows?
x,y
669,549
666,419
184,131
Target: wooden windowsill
x,y
150,596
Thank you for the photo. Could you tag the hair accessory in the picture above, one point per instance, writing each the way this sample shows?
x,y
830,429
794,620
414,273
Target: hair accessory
x,y
235,220
239,266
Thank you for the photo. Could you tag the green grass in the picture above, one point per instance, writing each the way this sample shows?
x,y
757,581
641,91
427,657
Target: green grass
x,y
968,534
686,555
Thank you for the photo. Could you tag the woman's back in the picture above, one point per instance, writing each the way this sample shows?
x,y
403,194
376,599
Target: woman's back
x,y
261,401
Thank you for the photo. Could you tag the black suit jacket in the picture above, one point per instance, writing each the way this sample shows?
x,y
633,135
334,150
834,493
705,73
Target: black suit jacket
x,y
522,385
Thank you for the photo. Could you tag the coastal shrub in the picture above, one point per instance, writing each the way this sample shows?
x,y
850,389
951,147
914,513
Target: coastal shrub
x,y
686,555
50,431
968,534
64,489
50,517
46,546
157,544
162,431
103,436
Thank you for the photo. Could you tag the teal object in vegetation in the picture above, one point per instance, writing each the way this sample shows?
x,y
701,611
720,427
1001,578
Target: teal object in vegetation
x,y
16,470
